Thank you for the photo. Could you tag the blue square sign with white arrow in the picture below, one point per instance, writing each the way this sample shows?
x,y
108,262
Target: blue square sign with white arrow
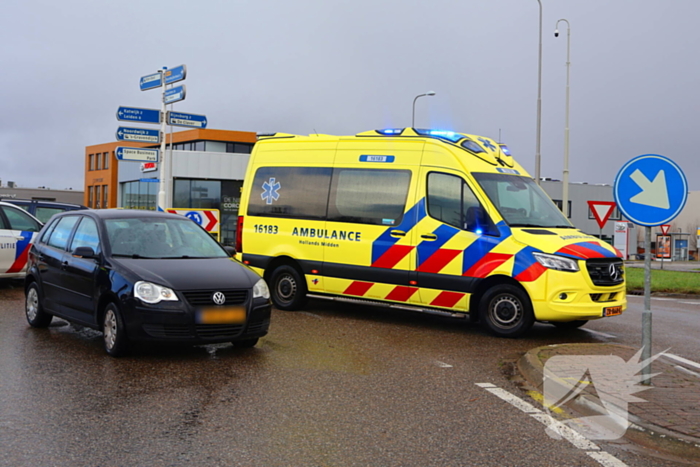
x,y
650,190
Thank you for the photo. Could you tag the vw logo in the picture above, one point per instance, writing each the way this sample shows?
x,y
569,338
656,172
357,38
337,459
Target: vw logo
x,y
614,272
219,298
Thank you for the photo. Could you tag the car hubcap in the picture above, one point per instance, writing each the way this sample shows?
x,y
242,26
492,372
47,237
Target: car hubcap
x,y
32,304
506,311
286,288
110,329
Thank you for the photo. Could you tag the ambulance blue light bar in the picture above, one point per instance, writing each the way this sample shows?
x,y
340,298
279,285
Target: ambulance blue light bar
x,y
504,149
390,131
450,136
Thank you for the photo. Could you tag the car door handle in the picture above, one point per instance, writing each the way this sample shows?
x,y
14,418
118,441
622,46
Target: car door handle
x,y
20,238
397,233
64,265
429,236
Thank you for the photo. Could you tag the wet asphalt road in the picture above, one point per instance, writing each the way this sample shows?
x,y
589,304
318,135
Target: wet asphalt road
x,y
333,385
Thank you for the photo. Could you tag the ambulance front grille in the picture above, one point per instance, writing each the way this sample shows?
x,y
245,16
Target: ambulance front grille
x,y
606,271
603,297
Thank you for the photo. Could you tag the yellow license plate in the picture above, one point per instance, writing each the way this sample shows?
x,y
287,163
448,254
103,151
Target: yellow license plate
x,y
612,311
221,315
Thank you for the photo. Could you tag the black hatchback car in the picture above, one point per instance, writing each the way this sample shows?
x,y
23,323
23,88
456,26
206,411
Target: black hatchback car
x,y
143,275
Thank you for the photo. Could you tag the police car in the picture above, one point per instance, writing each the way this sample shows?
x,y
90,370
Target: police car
x,y
17,231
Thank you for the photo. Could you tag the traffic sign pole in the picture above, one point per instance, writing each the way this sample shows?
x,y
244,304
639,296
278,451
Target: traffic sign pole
x,y
646,314
163,160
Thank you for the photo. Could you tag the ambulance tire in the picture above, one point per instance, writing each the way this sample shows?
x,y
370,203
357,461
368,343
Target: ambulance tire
x,y
34,310
288,288
506,311
571,324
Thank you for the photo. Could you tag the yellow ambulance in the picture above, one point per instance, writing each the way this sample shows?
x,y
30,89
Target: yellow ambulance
x,y
421,220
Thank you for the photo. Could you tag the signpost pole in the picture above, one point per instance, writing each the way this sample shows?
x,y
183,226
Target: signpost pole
x,y
163,188
646,314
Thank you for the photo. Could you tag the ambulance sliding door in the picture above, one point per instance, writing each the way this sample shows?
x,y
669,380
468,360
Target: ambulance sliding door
x,y
370,216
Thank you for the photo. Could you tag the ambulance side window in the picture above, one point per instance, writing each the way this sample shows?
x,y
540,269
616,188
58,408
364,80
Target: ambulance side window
x,y
295,192
368,196
451,201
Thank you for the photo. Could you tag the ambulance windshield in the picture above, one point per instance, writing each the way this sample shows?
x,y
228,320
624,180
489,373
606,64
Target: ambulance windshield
x,y
521,202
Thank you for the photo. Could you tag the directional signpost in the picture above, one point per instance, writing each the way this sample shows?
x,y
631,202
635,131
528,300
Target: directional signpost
x,y
173,75
136,154
151,81
175,94
135,114
139,135
188,120
650,190
160,79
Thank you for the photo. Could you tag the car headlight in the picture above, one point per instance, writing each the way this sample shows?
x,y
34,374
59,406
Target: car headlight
x,y
556,262
260,290
153,293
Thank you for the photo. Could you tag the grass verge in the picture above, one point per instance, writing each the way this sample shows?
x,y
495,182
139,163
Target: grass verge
x,y
664,281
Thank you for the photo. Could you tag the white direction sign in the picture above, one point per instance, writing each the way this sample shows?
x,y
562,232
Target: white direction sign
x,y
136,154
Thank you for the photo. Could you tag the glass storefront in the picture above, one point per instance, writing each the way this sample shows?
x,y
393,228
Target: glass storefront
x,y
140,195
224,195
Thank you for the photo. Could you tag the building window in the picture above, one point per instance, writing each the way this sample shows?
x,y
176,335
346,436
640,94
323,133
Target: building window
x,y
239,148
105,197
105,163
97,197
91,191
199,146
98,161
92,162
558,203
139,195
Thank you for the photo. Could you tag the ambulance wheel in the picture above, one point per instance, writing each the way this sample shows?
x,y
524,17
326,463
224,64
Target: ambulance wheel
x,y
36,316
288,288
571,324
506,311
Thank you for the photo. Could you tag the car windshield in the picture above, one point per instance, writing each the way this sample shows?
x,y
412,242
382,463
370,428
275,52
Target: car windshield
x,y
158,237
521,202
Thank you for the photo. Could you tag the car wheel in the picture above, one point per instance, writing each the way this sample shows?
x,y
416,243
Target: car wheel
x,y
288,288
34,310
113,331
245,343
570,324
506,311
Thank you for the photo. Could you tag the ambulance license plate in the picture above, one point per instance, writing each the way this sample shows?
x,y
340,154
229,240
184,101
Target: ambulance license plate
x,y
612,311
221,315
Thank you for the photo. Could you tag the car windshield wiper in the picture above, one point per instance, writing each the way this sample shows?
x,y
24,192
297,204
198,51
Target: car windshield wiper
x,y
133,256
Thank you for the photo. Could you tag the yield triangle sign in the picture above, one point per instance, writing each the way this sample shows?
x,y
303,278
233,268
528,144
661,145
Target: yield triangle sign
x,y
664,228
601,211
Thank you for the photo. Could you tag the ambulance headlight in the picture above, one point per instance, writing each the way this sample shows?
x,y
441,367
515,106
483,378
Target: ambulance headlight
x,y
260,290
556,262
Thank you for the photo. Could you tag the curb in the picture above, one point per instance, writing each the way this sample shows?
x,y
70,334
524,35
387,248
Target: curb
x,y
532,370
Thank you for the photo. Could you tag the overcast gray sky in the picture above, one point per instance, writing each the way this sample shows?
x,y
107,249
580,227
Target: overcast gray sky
x,y
343,67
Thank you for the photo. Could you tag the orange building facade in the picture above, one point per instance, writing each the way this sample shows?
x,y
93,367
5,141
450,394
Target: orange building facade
x,y
102,166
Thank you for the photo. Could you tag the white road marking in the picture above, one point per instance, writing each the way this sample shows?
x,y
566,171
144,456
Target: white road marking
x,y
684,369
682,360
598,333
606,459
443,364
696,302
574,437
566,432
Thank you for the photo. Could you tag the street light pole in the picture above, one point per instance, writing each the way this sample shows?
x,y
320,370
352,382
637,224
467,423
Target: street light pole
x,y
539,104
565,185
413,120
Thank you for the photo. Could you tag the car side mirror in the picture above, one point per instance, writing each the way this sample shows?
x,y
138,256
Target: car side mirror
x,y
85,252
230,250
